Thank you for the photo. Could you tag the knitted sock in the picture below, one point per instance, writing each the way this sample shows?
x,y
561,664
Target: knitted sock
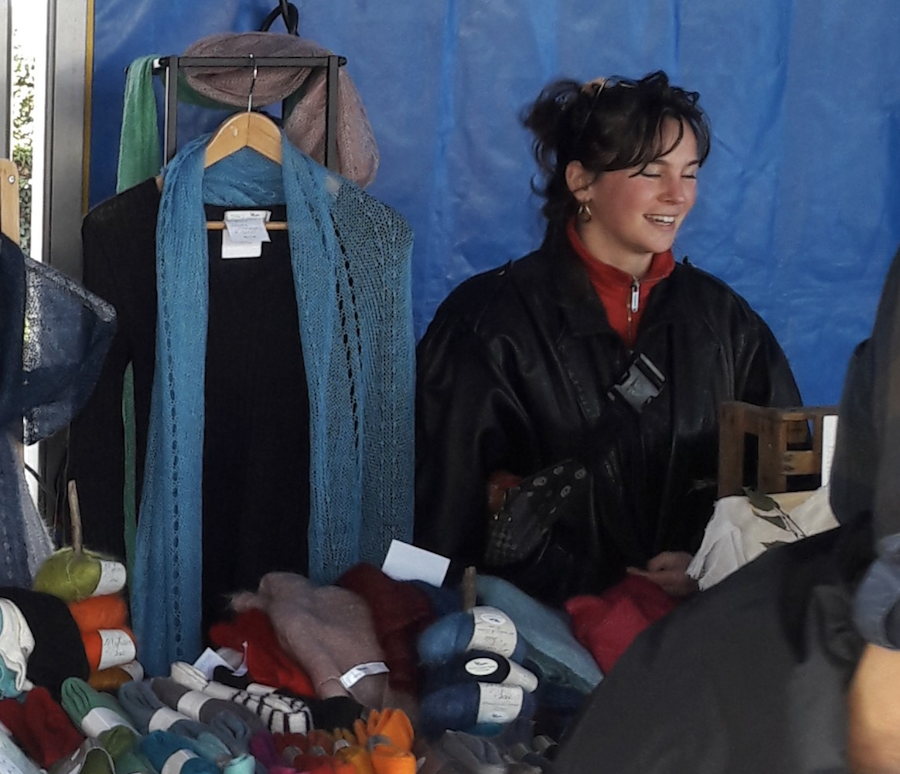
x,y
199,705
170,753
387,759
336,712
146,709
122,744
92,711
232,730
280,713
356,756
89,758
40,726
391,724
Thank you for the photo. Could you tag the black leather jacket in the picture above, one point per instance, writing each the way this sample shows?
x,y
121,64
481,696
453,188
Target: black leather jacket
x,y
513,374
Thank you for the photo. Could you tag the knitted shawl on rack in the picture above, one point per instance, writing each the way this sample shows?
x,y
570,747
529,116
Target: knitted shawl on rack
x,y
54,336
350,257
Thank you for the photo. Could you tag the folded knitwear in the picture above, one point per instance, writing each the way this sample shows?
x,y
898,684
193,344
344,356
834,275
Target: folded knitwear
x,y
328,630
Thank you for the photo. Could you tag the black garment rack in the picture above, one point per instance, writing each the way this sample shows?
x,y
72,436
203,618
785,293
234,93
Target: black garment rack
x,y
172,65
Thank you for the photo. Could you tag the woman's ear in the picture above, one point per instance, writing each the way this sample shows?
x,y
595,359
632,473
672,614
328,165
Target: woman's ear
x,y
578,178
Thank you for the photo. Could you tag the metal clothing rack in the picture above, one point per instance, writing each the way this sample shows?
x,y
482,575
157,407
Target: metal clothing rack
x,y
172,65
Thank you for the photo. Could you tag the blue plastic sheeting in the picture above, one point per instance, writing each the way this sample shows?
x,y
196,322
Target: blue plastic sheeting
x,y
799,206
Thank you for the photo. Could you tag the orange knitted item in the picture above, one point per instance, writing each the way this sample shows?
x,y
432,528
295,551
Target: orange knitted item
x,y
107,611
109,679
387,759
107,648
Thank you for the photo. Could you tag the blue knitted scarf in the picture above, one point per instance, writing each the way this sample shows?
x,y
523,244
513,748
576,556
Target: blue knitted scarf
x,y
350,258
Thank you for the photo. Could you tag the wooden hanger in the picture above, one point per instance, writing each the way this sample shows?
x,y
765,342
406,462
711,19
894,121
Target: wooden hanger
x,y
245,130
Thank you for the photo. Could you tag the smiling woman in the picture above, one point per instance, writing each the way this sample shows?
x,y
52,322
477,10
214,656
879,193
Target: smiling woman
x,y
596,348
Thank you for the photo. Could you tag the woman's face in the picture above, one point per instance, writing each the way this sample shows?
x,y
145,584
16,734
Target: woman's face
x,y
637,212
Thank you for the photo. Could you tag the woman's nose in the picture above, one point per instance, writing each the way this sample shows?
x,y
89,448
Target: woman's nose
x,y
674,189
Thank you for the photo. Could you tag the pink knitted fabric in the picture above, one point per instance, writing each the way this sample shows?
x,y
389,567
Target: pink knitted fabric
x,y
305,126
327,630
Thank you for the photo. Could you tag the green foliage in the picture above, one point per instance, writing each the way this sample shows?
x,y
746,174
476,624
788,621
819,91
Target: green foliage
x,y
22,134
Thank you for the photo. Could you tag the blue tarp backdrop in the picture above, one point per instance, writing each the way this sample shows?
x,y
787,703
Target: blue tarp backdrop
x,y
799,204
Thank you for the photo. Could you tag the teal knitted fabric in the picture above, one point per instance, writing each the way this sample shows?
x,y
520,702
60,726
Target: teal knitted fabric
x,y
140,155
350,256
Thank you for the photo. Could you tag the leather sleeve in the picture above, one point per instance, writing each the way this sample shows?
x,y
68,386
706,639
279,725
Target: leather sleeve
x,y
469,423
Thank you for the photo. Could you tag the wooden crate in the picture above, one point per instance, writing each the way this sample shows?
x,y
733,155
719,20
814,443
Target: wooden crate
x,y
789,444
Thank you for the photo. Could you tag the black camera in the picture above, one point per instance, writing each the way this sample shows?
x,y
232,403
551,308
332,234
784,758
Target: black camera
x,y
639,385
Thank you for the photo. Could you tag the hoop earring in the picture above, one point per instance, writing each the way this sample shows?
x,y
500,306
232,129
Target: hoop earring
x,y
584,212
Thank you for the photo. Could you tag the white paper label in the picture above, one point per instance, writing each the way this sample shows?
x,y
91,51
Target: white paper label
x,y
135,670
522,677
499,703
244,233
829,437
352,676
176,760
163,718
116,648
191,703
494,631
482,666
112,578
246,226
101,719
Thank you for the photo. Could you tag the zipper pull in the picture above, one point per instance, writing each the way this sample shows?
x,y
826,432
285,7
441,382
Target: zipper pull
x,y
635,294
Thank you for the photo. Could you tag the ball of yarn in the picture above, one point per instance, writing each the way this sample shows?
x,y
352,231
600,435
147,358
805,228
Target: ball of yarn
x,y
465,706
478,666
74,576
159,746
105,611
482,627
107,648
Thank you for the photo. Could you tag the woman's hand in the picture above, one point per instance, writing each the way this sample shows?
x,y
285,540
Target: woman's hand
x,y
668,570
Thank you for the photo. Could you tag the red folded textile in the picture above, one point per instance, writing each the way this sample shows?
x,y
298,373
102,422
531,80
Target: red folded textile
x,y
40,726
267,662
607,624
400,613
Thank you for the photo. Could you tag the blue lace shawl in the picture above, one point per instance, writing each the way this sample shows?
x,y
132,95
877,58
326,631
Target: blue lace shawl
x,y
351,263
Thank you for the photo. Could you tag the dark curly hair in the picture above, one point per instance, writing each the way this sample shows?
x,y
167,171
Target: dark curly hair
x,y
608,124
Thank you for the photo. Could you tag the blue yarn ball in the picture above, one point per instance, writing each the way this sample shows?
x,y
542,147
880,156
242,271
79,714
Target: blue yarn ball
x,y
456,707
158,746
452,634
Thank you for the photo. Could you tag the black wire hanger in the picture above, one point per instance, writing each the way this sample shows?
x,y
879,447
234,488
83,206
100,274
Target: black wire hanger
x,y
288,12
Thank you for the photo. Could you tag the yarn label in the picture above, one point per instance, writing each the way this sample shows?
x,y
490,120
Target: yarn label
x,y
135,670
494,631
163,719
116,648
101,719
176,760
352,676
245,231
112,578
482,666
191,703
520,676
499,703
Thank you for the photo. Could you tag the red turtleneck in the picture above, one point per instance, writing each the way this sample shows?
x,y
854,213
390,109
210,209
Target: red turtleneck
x,y
622,295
